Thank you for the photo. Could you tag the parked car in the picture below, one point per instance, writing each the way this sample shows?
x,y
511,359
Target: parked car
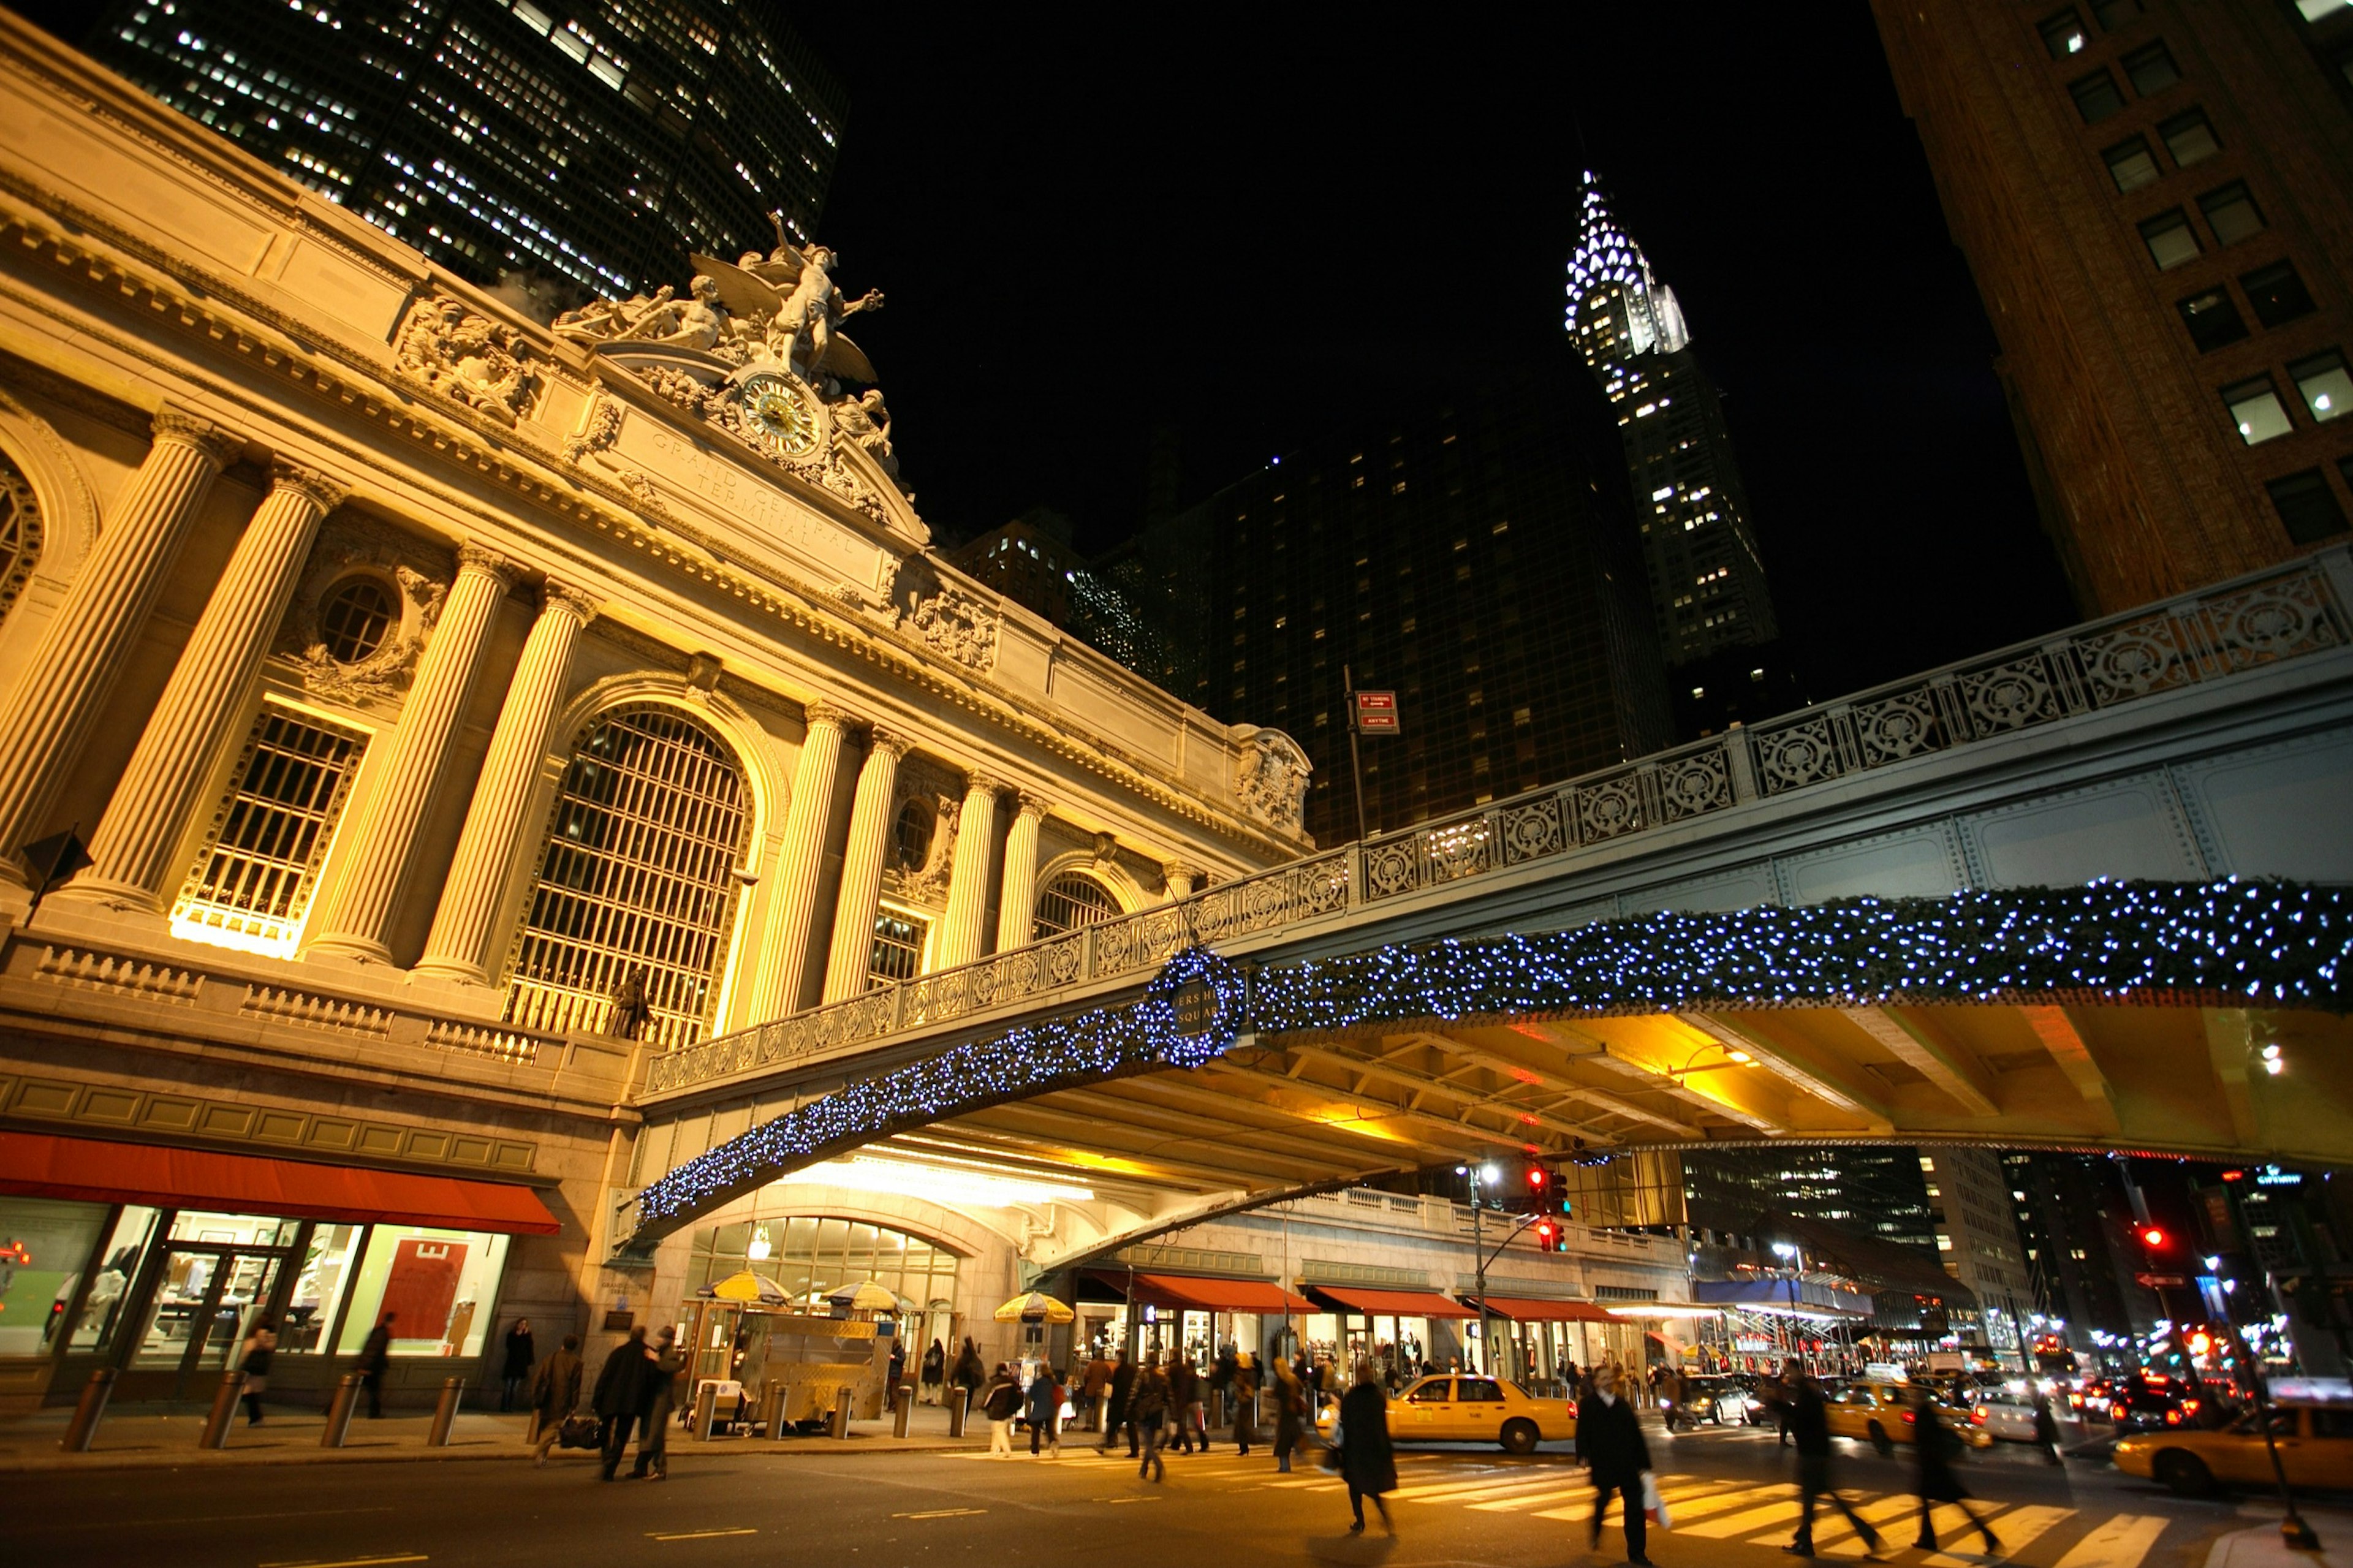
x,y
1446,1409
1881,1415
1711,1397
2315,1442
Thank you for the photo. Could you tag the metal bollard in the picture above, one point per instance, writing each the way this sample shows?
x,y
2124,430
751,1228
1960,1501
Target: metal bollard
x,y
840,1426
902,1409
772,1408
706,1410
445,1412
960,1403
216,1433
1100,1415
345,1400
88,1411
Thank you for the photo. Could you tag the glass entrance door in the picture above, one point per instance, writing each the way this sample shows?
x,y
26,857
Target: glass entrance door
x,y
205,1304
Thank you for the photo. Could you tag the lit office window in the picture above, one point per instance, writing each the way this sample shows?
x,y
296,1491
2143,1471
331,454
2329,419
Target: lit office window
x,y
2189,137
637,879
2231,213
2170,239
254,879
2327,390
2132,165
2256,410
2213,320
2063,34
2313,10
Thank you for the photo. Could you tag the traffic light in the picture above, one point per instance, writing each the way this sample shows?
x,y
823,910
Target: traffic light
x,y
2153,1237
1550,1238
1537,1185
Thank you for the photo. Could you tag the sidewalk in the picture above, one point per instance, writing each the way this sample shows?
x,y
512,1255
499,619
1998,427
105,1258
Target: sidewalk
x,y
148,1436
2261,1546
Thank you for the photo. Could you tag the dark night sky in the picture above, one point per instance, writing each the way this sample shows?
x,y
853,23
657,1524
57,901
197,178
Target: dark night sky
x,y
1248,223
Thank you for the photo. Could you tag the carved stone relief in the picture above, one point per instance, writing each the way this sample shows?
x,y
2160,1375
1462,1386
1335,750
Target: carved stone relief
x,y
467,358
1271,779
944,617
416,587
928,884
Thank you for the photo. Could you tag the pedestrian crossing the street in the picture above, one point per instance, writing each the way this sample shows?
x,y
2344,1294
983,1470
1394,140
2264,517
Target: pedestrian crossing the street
x,y
1762,1515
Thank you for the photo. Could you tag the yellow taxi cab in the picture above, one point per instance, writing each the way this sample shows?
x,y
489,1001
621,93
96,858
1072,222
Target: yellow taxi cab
x,y
2316,1449
1881,1415
1456,1409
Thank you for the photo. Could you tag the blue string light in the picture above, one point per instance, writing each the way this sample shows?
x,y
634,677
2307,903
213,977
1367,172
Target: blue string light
x,y
2231,942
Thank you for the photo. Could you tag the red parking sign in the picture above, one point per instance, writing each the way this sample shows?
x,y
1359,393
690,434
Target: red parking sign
x,y
1377,712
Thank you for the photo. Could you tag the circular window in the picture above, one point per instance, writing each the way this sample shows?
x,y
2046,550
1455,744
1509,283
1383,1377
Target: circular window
x,y
354,619
910,837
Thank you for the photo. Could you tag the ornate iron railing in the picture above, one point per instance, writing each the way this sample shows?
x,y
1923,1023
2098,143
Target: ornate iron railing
x,y
2258,620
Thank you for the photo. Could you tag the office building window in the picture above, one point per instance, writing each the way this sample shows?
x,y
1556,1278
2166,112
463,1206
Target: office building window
x,y
20,533
2327,391
2063,34
1071,900
636,885
2211,319
2131,165
2115,14
898,951
2313,10
2188,138
2277,294
2231,213
2170,239
2096,97
2151,68
2256,410
255,878
2307,507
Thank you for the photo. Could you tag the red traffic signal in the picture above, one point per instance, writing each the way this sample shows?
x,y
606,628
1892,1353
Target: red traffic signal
x,y
2152,1237
1548,1237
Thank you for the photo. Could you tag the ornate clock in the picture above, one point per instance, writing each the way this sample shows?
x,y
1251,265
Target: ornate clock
x,y
781,417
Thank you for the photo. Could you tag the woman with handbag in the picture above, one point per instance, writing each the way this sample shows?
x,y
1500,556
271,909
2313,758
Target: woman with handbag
x,y
1938,1482
261,1347
1368,1463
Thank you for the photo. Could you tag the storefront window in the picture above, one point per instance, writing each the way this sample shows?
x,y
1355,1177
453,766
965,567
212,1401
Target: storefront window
x,y
118,1269
44,1246
328,1266
233,1229
811,1258
439,1287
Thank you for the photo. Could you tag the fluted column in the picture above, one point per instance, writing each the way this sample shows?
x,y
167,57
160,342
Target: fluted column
x,y
496,820
131,852
784,939
365,881
975,852
1017,902
1182,879
58,696
854,907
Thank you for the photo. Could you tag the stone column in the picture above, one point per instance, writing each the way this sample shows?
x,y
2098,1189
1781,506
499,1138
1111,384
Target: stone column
x,y
496,819
58,694
1016,903
381,834
962,932
861,866
131,852
792,897
1182,879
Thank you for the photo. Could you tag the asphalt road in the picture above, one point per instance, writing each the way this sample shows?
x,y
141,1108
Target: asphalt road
x,y
722,1507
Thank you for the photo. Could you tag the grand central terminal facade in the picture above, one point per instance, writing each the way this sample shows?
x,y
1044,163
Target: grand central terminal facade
x,y
454,713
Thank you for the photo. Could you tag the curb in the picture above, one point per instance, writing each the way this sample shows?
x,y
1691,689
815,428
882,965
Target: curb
x,y
232,1459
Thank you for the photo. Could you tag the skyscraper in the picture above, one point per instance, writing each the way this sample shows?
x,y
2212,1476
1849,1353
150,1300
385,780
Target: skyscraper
x,y
593,141
1709,601
2156,199
1475,557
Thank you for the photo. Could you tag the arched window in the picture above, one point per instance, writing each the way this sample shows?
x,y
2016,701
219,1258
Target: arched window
x,y
637,882
20,533
1071,900
910,837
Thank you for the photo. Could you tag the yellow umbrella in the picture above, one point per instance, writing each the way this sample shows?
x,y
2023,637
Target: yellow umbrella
x,y
870,1296
746,1286
1034,1307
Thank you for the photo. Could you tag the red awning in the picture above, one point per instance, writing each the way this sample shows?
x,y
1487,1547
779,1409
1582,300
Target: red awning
x,y
1528,1310
1395,1303
39,1166
1188,1293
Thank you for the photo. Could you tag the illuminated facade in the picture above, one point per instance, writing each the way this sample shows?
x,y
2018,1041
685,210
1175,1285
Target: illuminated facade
x,y
460,713
1709,600
593,143
2154,201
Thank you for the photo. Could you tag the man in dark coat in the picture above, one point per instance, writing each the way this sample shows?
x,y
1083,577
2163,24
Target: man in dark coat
x,y
1368,1463
522,1352
1938,1481
1611,1440
655,1400
620,1388
375,1359
1810,1424
554,1395
1117,1414
1185,1401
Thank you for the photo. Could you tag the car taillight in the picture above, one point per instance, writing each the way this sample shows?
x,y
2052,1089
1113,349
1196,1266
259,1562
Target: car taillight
x,y
1909,1418
1978,1416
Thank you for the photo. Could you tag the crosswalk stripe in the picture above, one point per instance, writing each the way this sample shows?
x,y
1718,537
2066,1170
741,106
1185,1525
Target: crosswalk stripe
x,y
1706,1505
1465,1486
2017,1528
1514,1504
1831,1527
1480,1490
1772,1515
2120,1542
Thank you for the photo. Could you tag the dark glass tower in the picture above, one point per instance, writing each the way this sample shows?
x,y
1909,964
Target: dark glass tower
x,y
592,141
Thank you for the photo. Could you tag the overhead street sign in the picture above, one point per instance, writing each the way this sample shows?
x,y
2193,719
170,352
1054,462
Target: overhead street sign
x,y
1377,712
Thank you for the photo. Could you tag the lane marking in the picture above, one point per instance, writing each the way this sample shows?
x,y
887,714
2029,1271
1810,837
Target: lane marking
x,y
941,1514
350,1562
197,1518
696,1534
1115,1501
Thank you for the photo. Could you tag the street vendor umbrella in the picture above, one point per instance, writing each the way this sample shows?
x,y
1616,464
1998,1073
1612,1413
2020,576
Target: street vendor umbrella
x,y
746,1286
866,1297
1034,1307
